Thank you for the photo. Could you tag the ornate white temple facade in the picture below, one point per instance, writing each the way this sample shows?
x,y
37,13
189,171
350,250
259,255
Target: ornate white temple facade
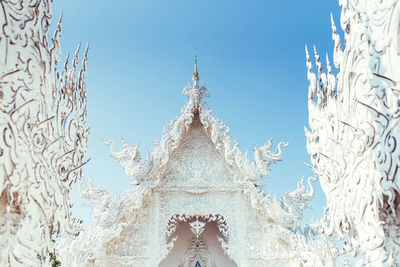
x,y
195,201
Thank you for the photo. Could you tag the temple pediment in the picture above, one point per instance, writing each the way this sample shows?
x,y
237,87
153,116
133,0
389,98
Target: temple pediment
x,y
196,165
196,150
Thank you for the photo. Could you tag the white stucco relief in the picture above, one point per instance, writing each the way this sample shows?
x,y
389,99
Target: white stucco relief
x,y
354,128
197,171
43,136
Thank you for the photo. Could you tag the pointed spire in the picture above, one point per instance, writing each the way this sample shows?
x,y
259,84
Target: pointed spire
x,y
195,73
195,92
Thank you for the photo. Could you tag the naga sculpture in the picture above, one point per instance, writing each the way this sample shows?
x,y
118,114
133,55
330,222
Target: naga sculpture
x,y
43,138
354,126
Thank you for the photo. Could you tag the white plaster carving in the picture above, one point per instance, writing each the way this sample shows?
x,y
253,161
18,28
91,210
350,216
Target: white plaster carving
x,y
42,127
354,120
196,170
197,224
197,251
197,175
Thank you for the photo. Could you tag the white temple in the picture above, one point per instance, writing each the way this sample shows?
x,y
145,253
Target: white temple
x,y
196,201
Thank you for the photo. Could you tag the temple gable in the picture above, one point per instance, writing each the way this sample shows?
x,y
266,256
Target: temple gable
x,y
196,163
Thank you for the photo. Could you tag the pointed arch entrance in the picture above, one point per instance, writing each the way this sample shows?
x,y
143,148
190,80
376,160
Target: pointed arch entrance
x,y
197,241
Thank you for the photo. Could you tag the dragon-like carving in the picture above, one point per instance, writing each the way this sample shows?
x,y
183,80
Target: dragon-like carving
x,y
43,138
354,127
129,158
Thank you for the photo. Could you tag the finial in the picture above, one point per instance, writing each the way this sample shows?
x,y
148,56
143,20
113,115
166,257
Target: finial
x,y
195,73
195,92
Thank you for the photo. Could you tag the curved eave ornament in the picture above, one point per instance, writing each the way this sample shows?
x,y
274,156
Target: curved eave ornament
x,y
255,171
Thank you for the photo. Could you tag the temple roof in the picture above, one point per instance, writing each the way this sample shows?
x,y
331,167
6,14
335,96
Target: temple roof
x,y
195,158
257,170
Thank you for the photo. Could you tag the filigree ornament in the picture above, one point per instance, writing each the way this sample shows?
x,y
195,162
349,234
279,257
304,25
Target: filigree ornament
x,y
353,121
43,134
197,226
197,251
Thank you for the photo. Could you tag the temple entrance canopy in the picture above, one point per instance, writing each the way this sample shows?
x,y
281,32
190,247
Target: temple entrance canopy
x,y
195,201
198,241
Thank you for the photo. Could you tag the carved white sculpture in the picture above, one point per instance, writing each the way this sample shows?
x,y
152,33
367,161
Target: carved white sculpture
x,y
42,134
196,169
195,175
354,121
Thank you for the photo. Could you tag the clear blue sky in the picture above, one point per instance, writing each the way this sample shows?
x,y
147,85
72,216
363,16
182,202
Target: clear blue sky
x,y
250,56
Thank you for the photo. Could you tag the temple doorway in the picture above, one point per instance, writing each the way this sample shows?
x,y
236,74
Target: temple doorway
x,y
197,241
